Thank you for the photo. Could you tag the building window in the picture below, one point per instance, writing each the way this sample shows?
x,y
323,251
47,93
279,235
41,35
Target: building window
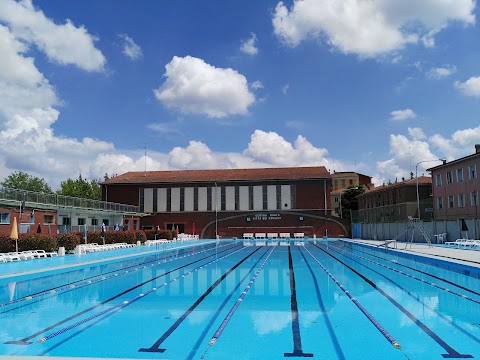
x,y
48,219
237,198
440,203
106,222
278,196
293,197
155,200
142,200
438,180
223,198
81,221
474,198
459,175
335,184
472,172
264,197
250,197
209,198
94,222
5,218
450,201
461,200
343,183
195,199
169,199
182,199
449,177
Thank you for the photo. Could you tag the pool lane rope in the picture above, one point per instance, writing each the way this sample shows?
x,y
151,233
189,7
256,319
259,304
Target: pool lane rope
x,y
99,278
453,292
234,308
375,323
130,301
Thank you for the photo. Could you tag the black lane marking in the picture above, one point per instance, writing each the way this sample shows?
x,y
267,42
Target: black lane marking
x,y
416,297
84,282
207,328
26,340
331,331
155,347
422,272
297,338
451,353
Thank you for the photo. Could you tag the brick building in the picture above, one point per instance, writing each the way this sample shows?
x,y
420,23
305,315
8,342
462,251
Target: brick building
x,y
230,202
397,201
343,180
455,187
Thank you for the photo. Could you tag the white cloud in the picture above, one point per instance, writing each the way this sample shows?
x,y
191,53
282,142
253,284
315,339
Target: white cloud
x,y
130,48
65,44
249,46
193,86
442,72
369,28
471,87
257,85
406,152
171,127
416,133
402,115
273,149
285,88
27,111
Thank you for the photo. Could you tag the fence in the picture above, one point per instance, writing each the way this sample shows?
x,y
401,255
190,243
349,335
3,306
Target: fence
x,y
23,196
390,230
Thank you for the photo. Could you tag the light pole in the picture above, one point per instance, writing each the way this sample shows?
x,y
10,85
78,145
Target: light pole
x,y
216,212
416,176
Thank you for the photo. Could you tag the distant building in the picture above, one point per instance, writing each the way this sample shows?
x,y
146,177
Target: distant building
x,y
346,179
397,201
342,181
231,202
52,213
455,188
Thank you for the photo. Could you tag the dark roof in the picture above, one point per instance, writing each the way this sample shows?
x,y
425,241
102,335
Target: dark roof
x,y
186,176
422,180
340,173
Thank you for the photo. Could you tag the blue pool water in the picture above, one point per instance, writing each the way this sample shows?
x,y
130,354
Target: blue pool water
x,y
230,301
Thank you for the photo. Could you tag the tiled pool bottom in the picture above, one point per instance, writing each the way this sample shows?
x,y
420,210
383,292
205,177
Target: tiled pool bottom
x,y
251,302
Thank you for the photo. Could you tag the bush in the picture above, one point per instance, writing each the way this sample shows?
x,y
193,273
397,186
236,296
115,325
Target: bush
x,y
161,234
68,241
6,244
45,242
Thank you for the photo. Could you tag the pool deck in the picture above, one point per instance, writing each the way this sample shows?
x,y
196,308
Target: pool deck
x,y
463,256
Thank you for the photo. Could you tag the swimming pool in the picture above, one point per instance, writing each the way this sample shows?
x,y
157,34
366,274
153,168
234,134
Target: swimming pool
x,y
229,301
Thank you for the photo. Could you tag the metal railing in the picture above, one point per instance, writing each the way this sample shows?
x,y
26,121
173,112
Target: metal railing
x,y
57,201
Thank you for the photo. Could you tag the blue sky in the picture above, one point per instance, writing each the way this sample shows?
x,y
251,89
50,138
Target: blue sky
x,y
368,86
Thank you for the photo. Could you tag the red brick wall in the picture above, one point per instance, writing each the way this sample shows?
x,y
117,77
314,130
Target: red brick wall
x,y
234,224
5,229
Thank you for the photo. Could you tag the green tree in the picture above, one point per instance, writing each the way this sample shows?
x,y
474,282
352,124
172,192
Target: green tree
x,y
22,180
81,188
350,201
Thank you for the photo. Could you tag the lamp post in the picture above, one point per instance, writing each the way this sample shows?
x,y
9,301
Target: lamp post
x,y
216,212
416,176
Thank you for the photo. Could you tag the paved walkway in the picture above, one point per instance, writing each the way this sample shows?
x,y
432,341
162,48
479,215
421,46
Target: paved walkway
x,y
462,256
